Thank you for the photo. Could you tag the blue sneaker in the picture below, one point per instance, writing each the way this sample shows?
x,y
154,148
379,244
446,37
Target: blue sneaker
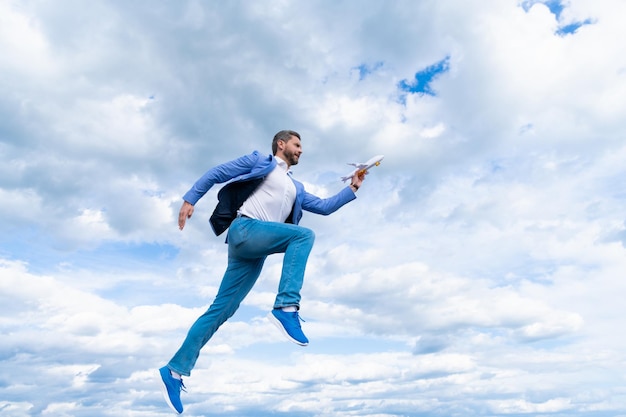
x,y
289,324
171,388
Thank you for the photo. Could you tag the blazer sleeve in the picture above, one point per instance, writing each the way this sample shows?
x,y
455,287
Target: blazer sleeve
x,y
220,174
326,206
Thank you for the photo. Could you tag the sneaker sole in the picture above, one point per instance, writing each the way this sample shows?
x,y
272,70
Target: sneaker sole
x,y
278,324
166,396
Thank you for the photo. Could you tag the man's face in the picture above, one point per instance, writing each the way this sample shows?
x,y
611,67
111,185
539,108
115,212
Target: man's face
x,y
290,151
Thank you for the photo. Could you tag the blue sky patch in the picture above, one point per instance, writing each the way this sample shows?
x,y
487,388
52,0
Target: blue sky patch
x,y
556,8
421,84
365,69
572,27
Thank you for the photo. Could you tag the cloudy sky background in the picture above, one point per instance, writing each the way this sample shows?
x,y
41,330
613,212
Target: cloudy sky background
x,y
480,272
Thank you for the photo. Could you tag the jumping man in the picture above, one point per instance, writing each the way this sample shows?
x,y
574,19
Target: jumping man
x,y
261,207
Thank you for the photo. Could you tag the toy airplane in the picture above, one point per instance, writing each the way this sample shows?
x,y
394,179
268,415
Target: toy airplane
x,y
363,167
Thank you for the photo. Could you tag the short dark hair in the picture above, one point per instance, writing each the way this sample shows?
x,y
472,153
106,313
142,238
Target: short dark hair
x,y
283,135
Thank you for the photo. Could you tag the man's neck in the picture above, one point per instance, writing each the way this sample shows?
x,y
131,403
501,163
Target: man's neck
x,y
283,160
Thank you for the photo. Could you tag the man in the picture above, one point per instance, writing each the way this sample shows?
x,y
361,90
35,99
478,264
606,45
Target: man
x,y
261,207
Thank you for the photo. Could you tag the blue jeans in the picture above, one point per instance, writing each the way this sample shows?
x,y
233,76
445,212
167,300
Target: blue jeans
x,y
249,243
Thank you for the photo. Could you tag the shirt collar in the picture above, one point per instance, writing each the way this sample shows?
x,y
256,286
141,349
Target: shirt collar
x,y
281,163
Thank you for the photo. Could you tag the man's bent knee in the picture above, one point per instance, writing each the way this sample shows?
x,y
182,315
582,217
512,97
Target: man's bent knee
x,y
307,234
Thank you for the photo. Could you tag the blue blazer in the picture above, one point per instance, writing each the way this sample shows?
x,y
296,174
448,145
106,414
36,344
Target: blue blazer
x,y
244,175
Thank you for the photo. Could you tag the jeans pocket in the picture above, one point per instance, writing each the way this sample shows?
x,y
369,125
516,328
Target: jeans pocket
x,y
238,232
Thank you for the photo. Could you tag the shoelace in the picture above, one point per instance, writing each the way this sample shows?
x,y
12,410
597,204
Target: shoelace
x,y
298,318
182,386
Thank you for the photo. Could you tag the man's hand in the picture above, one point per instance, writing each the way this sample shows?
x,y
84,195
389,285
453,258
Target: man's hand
x,y
185,213
357,180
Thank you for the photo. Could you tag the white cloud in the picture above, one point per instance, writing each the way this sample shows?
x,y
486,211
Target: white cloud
x,y
480,268
25,48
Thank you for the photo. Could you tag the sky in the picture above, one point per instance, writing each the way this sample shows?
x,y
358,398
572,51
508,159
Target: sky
x,y
480,271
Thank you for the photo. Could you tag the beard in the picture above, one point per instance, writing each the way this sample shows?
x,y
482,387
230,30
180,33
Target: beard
x,y
292,159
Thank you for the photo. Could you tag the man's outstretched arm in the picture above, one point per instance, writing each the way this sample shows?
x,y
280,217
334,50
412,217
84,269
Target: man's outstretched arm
x,y
329,205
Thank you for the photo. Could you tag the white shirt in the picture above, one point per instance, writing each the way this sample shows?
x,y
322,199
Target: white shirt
x,y
273,200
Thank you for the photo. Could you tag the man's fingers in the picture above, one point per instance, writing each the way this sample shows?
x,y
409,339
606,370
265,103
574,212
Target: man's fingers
x,y
185,213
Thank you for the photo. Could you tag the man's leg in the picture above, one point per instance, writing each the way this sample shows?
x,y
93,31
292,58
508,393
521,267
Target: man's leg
x,y
238,280
257,238
285,313
296,243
